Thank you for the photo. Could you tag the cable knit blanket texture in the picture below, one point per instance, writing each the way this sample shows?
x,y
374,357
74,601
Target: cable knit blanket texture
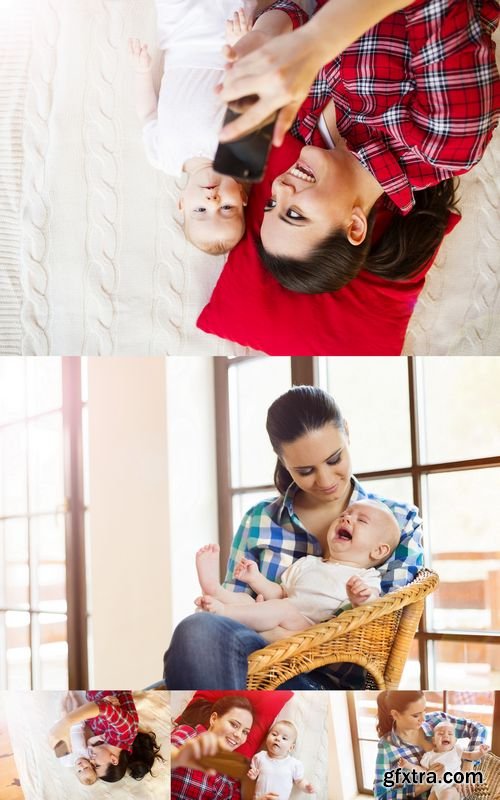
x,y
30,715
92,259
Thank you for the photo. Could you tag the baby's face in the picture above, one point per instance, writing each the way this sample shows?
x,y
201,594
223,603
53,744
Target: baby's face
x,y
280,741
85,771
444,738
363,535
213,208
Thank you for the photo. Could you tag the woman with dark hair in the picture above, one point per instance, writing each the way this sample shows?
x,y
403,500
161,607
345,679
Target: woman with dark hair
x,y
406,731
314,479
117,745
392,100
205,729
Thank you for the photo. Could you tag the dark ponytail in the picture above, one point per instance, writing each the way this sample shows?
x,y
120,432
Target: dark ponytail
x,y
299,411
397,700
412,240
139,761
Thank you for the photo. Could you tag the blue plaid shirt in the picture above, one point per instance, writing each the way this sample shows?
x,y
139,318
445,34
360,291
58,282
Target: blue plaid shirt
x,y
391,748
272,535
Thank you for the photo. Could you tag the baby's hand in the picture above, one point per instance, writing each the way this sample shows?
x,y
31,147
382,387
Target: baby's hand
x,y
309,788
139,55
238,26
484,748
245,570
357,591
253,773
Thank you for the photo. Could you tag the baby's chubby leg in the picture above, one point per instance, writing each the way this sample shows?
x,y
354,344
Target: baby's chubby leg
x,y
207,566
262,616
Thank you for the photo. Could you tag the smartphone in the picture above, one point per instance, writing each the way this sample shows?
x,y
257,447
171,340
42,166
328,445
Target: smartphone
x,y
61,749
245,159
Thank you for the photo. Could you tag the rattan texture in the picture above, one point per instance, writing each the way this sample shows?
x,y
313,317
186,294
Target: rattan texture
x,y
490,787
377,636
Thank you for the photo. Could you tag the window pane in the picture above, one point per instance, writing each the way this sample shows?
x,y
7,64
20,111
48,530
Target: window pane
x,y
391,488
52,662
463,527
253,386
13,479
373,396
44,384
49,563
14,587
459,664
368,753
461,408
410,678
46,463
479,705
13,394
17,640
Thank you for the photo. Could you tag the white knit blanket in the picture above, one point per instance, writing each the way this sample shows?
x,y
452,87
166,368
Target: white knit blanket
x,y
92,260
30,715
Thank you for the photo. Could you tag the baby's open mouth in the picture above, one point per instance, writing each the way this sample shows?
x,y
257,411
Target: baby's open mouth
x,y
344,535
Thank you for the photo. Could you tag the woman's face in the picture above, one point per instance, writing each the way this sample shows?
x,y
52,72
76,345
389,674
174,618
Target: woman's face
x,y
311,200
101,755
320,463
411,718
232,728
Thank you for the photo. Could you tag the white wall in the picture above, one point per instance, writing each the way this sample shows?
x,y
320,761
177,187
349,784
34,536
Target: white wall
x,y
153,502
192,473
129,520
342,774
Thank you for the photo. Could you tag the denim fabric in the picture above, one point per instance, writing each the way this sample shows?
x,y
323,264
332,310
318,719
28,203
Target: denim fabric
x,y
211,652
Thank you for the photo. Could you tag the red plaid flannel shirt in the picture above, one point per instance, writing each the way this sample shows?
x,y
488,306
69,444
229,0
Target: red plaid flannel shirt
x,y
417,96
118,725
296,14
193,784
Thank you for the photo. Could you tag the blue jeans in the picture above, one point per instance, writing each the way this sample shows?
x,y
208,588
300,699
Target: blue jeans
x,y
211,652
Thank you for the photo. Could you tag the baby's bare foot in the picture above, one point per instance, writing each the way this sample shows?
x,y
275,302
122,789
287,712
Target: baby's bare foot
x,y
207,566
212,605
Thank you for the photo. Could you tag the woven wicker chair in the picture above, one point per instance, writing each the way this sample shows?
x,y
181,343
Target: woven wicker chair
x,y
377,636
490,788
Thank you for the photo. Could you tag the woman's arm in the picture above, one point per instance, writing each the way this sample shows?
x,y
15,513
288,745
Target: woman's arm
x,y
282,71
61,730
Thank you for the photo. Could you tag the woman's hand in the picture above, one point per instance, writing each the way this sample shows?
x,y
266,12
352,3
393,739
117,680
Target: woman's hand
x,y
188,756
280,73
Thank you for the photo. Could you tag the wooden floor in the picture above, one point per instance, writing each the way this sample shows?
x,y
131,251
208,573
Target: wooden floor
x,y
9,781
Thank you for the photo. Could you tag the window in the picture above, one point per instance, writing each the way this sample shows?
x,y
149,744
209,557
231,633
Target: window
x,y
42,567
423,430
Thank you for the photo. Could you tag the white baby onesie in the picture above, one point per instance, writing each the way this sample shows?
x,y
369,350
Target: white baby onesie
x,y
317,587
79,747
451,759
190,114
276,774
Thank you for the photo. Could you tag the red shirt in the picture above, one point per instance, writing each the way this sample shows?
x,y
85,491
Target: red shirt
x,y
417,96
193,784
118,725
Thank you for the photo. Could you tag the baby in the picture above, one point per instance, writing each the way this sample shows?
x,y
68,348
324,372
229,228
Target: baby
x,y
78,759
449,755
312,588
274,769
181,126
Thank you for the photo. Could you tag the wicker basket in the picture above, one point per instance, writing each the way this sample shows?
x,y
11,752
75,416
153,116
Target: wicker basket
x,y
490,788
377,636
